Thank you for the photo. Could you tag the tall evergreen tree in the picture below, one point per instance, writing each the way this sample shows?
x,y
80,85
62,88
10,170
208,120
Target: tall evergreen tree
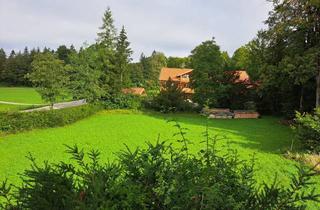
x,y
106,46
145,66
63,53
108,33
3,59
123,57
10,67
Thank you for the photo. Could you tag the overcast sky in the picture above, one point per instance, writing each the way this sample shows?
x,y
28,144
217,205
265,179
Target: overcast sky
x,y
174,27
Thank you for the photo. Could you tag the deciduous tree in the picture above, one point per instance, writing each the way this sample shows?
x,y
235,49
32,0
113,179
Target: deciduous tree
x,y
49,76
208,70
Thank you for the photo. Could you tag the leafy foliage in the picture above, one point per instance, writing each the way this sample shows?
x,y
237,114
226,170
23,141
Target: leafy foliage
x,y
235,94
178,62
136,74
208,66
151,67
287,56
170,99
63,53
122,101
85,74
18,121
307,127
49,76
159,176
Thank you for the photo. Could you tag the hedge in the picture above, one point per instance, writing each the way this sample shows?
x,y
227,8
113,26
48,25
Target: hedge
x,y
11,122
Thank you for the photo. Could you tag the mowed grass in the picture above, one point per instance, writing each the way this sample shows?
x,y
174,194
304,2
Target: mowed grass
x,y
20,95
108,131
9,107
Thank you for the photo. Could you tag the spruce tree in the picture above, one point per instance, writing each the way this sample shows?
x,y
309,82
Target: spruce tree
x,y
106,44
123,57
3,59
108,33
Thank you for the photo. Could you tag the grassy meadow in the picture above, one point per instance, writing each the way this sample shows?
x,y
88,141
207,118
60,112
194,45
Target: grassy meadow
x,y
20,95
109,131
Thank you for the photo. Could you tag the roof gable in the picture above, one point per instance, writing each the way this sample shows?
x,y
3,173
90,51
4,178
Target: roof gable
x,y
134,91
242,75
172,73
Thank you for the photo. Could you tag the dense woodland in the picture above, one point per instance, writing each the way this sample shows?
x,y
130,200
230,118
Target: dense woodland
x,y
283,59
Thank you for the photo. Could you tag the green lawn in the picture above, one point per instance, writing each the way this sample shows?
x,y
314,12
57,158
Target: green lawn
x,y
109,131
20,95
8,107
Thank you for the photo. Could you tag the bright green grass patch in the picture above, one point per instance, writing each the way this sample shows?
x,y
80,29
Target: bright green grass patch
x,y
109,131
8,107
20,95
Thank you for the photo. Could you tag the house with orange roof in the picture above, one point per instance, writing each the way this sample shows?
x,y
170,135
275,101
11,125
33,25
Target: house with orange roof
x,y
180,76
243,77
138,91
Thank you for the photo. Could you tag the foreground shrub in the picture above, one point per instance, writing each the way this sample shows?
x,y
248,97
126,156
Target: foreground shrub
x,y
157,177
20,121
307,127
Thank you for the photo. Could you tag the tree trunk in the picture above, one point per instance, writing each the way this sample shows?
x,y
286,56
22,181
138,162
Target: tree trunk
x,y
318,87
301,99
317,36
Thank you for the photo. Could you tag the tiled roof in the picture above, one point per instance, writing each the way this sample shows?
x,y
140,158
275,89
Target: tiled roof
x,y
134,91
188,90
173,73
242,74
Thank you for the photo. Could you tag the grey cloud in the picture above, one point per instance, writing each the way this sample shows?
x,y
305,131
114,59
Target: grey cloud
x,y
172,26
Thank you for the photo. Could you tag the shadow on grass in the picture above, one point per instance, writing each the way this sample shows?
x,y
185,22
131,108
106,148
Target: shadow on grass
x,y
265,134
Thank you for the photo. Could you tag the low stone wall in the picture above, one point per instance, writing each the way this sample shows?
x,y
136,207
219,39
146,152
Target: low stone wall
x,y
207,111
246,115
228,114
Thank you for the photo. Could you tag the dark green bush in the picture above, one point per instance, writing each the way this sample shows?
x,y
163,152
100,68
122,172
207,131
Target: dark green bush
x,y
18,121
307,128
170,99
158,177
123,101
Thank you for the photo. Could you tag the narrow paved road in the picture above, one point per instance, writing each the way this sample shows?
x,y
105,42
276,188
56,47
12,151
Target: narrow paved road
x,y
59,106
46,107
